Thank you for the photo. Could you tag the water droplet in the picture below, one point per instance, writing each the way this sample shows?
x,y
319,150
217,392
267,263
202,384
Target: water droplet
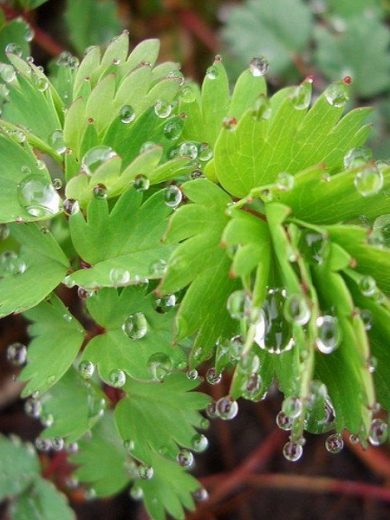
x,y
71,207
72,447
41,82
160,365
172,196
292,451
200,495
199,442
43,444
368,181
136,492
17,354
173,128
29,33
334,443
357,157
83,293
7,72
273,331
212,72
58,443
337,94
301,97
100,191
33,408
117,378
11,263
211,410
135,326
262,108
127,114
315,246
14,48
187,93
38,196
205,153
86,369
328,334
165,303
367,286
141,182
258,66
226,408
283,421
145,472
353,439
251,387
148,145
56,141
292,407
4,231
366,317
188,149
285,181
213,377
296,309
158,268
185,458
119,276
237,304
162,109
192,374
196,174
95,157
378,432
57,183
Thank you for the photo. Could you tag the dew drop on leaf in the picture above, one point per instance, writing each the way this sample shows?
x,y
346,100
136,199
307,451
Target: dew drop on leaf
x,y
172,196
71,207
4,231
200,495
33,408
7,72
378,432
165,303
38,196
199,442
213,377
292,407
328,334
226,408
145,472
237,304
117,378
334,443
58,443
100,191
187,93
162,109
356,157
262,108
56,141
212,72
292,451
258,66
367,286
301,97
368,181
158,268
14,48
366,317
17,354
283,421
188,149
127,114
173,128
43,444
119,276
185,458
141,182
83,293
11,263
205,153
96,157
41,82
192,374
136,492
160,365
296,309
86,369
337,94
285,181
135,326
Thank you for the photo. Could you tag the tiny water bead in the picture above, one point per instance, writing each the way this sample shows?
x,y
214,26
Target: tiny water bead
x,y
200,495
160,365
43,445
83,293
337,94
158,268
136,492
283,421
205,152
57,183
86,369
145,472
237,304
296,309
366,317
192,374
251,387
315,246
199,442
127,114
368,181
33,408
172,196
4,231
173,128
41,82
258,66
165,303
17,354
367,286
212,72
334,443
213,377
141,182
95,157
135,326
58,443
38,196
100,191
301,97
226,408
292,407
162,109
117,378
11,263
14,48
285,181
292,451
185,458
188,149
328,334
378,432
71,207
356,157
119,276
7,73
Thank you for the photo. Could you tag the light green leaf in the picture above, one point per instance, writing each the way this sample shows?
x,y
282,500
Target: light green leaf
x,y
15,31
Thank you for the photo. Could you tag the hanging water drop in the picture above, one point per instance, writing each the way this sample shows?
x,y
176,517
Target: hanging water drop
x,y
43,444
237,304
213,377
378,432
38,196
136,492
292,451
58,443
185,458
100,192
328,334
192,374
17,354
334,443
283,421
71,207
119,276
292,407
367,286
33,408
258,66
135,326
200,495
337,94
165,303
199,442
226,408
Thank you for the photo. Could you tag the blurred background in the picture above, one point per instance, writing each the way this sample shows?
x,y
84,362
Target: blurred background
x,y
243,469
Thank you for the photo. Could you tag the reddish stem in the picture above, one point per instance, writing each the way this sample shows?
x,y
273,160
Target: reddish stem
x,y
59,460
194,24
376,459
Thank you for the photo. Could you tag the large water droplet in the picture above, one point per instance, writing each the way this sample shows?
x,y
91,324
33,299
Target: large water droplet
x,y
86,369
117,378
135,326
17,354
378,432
292,451
226,408
188,149
258,66
185,458
172,196
328,334
162,109
301,97
213,377
199,442
368,181
334,443
337,94
292,407
160,365
141,182
95,157
7,72
296,309
38,196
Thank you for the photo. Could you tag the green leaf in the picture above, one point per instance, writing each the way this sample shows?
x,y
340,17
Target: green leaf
x,y
20,466
176,407
74,405
361,51
114,349
270,28
351,8
101,459
40,254
42,502
91,23
16,31
200,262
131,235
57,338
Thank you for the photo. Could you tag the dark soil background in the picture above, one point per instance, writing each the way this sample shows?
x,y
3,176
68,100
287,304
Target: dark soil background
x,y
243,468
